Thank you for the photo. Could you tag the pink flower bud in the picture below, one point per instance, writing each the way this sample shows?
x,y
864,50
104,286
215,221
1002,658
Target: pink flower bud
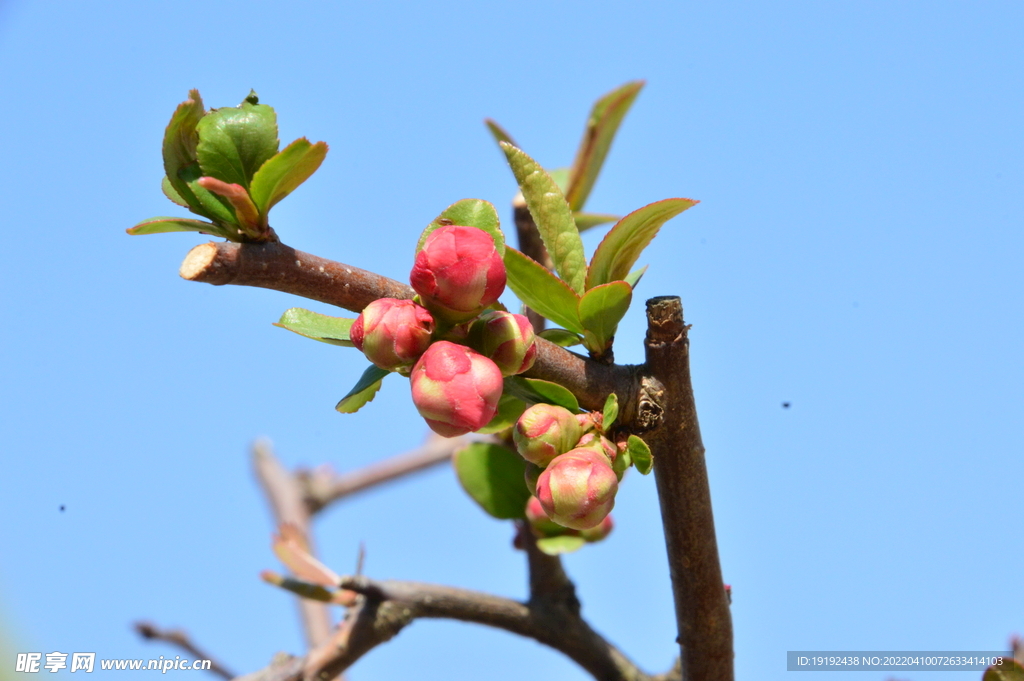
x,y
455,389
392,333
544,431
542,525
507,339
458,271
577,490
600,532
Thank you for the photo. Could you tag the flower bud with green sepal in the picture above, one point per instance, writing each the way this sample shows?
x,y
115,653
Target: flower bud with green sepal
x,y
544,431
393,333
577,490
507,339
455,389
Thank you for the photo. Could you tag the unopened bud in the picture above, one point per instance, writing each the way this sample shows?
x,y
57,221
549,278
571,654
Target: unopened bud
x,y
455,389
506,338
599,443
458,271
392,333
577,490
544,431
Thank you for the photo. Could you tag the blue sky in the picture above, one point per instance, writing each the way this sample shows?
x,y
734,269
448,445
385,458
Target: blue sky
x,y
857,253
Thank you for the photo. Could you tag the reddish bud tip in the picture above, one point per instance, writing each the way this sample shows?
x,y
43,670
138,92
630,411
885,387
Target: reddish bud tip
x,y
459,271
392,333
455,389
577,490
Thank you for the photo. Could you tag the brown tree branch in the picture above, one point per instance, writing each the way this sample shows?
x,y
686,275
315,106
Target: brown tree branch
x,y
387,607
287,505
702,608
320,487
281,268
179,638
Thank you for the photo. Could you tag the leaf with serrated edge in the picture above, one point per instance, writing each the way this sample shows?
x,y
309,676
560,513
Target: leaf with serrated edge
x,y
537,391
180,140
640,454
552,216
561,337
610,411
602,124
493,476
564,543
585,221
321,327
468,213
235,141
542,291
171,193
165,225
364,391
510,408
499,133
623,244
602,308
285,171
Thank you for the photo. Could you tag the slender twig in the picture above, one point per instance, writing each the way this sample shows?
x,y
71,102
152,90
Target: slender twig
x,y
286,502
322,487
179,638
281,268
702,608
387,607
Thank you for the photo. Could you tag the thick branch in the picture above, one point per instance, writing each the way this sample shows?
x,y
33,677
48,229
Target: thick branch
x,y
321,488
286,502
281,268
179,638
702,609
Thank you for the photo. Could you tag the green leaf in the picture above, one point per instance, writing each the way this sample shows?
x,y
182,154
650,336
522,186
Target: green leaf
x,y
180,140
561,337
171,193
624,243
468,213
585,221
364,391
541,290
564,543
285,171
537,391
333,330
493,476
235,141
552,216
510,408
498,132
633,278
605,117
610,411
601,309
1009,670
163,225
205,202
640,454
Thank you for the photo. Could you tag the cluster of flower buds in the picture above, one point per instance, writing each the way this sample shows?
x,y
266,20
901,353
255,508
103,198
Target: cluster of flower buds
x,y
453,348
569,468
